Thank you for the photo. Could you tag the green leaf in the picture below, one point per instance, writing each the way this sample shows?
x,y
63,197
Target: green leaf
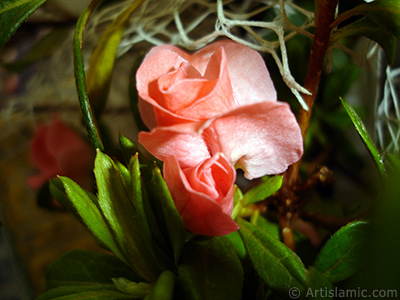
x,y
82,204
88,292
58,192
237,243
318,286
102,60
128,149
80,81
140,200
271,227
263,190
385,13
12,14
368,28
210,269
164,287
266,188
342,255
145,216
362,131
88,275
237,201
80,267
113,199
279,267
118,207
134,289
125,176
168,216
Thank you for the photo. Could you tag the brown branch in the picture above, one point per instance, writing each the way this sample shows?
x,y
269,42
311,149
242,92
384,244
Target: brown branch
x,y
324,15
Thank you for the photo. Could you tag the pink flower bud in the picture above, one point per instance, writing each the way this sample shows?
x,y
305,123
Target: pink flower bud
x,y
203,194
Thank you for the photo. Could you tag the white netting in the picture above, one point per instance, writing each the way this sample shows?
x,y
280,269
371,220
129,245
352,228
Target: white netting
x,y
388,112
262,25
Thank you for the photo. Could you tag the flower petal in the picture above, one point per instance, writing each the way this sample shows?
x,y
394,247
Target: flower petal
x,y
158,62
214,177
61,137
220,98
209,96
263,138
248,73
41,157
200,213
163,142
182,94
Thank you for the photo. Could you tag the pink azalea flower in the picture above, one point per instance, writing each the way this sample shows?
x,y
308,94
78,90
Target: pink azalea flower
x,y
203,194
220,99
209,112
56,149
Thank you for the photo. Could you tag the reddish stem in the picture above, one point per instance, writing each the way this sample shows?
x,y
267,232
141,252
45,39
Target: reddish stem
x,y
324,16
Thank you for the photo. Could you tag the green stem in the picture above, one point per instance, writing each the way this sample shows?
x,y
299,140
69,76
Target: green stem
x,y
79,70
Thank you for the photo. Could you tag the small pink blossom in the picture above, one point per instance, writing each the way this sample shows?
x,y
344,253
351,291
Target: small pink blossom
x,y
56,149
203,194
220,99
